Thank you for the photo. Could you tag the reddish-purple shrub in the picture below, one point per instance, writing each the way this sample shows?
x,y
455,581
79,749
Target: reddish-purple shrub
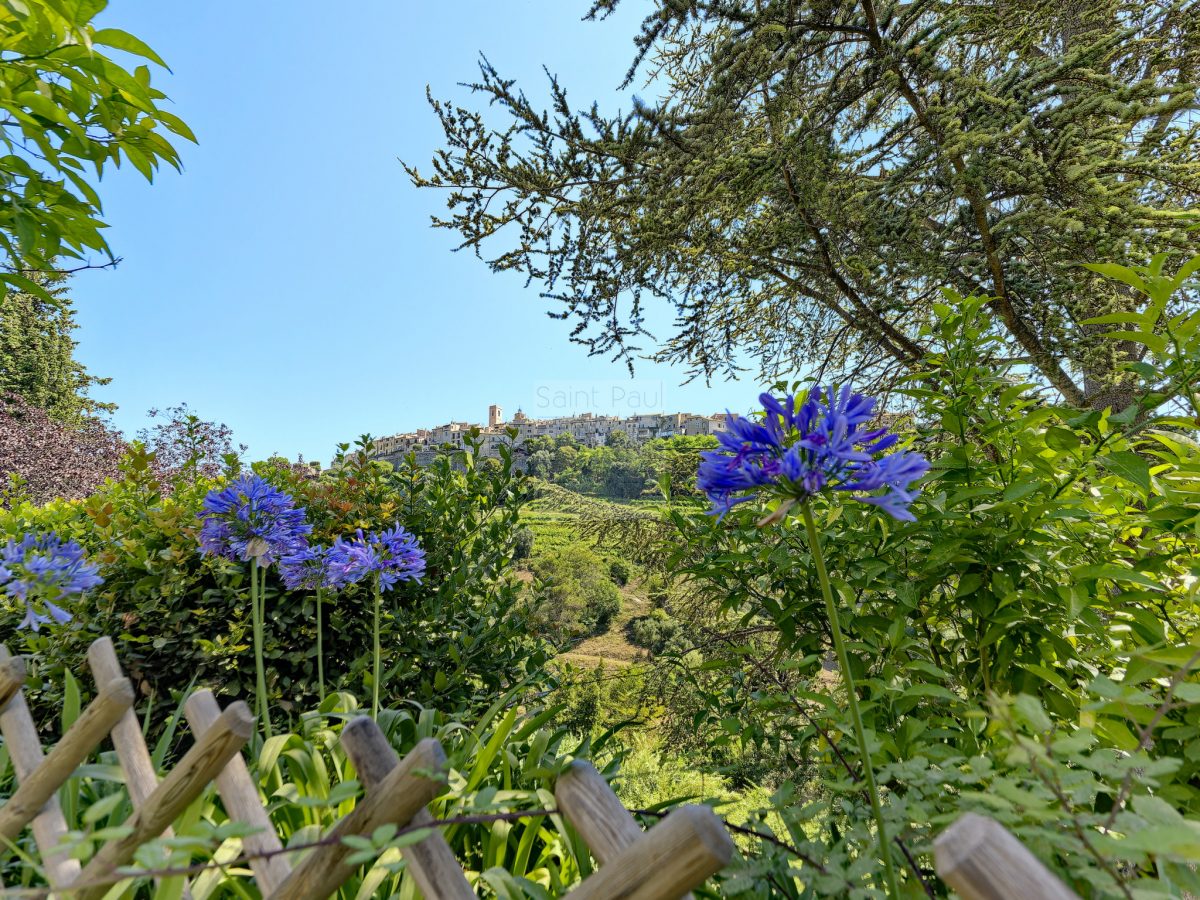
x,y
42,459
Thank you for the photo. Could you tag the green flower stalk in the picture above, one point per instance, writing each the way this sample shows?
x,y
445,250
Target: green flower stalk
x,y
389,557
261,702
860,734
320,648
376,674
308,569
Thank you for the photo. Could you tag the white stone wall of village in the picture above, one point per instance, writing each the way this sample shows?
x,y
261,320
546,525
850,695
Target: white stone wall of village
x,y
589,429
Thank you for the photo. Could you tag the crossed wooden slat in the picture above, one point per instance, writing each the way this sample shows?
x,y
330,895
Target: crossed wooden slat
x,y
663,863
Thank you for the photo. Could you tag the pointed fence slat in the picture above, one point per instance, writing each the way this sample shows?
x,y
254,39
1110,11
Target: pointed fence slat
x,y
175,792
59,764
431,861
593,810
675,856
132,753
25,751
983,860
240,796
404,792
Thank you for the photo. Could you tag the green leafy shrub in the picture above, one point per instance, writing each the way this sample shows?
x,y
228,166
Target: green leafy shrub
x,y
619,572
523,543
459,638
606,697
1026,647
578,597
653,631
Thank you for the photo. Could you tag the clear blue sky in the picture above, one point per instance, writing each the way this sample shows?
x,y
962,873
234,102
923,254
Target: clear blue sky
x,y
288,282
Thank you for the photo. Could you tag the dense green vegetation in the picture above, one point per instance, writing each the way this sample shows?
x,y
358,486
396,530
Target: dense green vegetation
x,y
37,354
456,640
1024,646
582,596
841,638
619,470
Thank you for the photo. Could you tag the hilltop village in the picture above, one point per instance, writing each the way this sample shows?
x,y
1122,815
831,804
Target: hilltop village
x,y
588,429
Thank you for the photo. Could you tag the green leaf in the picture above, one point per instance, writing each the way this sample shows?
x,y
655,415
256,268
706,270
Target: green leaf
x,y
1022,488
1177,841
123,40
1156,342
1031,711
28,286
1128,466
1122,318
72,702
1061,439
1114,573
930,690
1119,273
102,807
1187,270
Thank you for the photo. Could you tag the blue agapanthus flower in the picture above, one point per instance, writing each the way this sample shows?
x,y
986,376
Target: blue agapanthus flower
x,y
798,452
44,569
250,519
393,554
306,568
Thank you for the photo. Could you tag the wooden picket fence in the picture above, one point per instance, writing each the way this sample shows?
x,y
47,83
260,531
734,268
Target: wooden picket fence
x,y
677,854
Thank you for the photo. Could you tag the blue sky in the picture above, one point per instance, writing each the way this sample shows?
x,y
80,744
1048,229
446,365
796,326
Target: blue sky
x,y
288,282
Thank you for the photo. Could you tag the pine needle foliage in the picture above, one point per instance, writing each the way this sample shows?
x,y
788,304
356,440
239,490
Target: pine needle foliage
x,y
37,353
807,174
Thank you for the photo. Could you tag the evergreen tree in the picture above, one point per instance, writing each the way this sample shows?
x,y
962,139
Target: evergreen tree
x,y
37,360
813,172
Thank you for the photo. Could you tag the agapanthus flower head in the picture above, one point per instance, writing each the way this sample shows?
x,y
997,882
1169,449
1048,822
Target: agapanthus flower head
x,y
394,555
306,568
799,451
45,570
250,519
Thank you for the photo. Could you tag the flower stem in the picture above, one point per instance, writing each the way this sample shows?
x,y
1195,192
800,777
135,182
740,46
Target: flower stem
x,y
261,708
860,735
375,676
320,648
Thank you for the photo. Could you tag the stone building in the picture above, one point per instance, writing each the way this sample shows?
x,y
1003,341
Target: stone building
x,y
588,429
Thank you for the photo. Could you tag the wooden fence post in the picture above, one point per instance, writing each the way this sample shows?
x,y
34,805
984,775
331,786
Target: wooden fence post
x,y
25,750
240,795
175,792
592,808
431,861
67,755
404,792
12,678
132,753
983,860
673,857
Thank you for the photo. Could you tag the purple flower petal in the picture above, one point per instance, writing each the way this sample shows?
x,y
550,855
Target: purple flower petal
x,y
798,453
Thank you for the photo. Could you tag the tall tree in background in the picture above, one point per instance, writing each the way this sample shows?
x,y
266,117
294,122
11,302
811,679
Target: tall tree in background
x,y
812,172
67,112
37,353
